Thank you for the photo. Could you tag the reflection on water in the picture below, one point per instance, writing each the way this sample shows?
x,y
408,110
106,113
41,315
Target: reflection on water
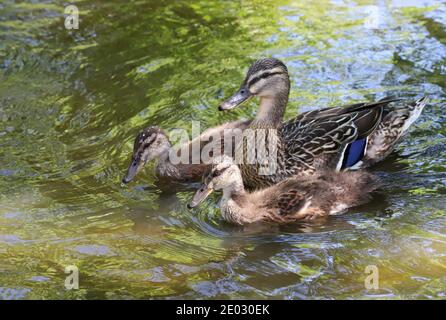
x,y
71,103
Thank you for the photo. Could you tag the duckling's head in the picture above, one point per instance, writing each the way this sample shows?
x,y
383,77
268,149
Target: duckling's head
x,y
266,78
151,143
223,174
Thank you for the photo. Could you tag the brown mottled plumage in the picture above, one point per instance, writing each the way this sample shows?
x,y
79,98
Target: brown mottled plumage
x,y
296,198
319,139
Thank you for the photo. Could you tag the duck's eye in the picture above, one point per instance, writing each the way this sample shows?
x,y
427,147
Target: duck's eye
x,y
242,91
216,173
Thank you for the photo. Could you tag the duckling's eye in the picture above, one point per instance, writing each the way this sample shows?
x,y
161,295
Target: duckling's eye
x,y
218,172
150,142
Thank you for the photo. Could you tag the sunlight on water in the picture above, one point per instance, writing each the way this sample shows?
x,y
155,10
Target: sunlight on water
x,y
71,102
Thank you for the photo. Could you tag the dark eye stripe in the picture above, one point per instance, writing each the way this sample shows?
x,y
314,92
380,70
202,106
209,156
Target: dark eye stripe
x,y
262,76
216,172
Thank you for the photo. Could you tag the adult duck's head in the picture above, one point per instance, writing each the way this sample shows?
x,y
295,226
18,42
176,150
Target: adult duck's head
x,y
267,79
151,143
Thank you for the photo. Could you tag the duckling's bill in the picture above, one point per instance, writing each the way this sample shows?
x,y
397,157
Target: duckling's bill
x,y
200,196
131,171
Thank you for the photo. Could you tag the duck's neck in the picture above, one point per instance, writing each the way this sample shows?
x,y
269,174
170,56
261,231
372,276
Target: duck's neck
x,y
166,168
235,190
271,110
236,206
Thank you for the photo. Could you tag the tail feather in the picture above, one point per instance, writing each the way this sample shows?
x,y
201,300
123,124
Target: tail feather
x,y
415,108
394,125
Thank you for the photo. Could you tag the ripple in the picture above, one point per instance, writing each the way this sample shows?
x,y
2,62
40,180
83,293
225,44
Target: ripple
x,y
13,293
39,279
11,239
94,250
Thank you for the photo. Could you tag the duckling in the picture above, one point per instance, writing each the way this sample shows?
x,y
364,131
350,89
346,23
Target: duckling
x,y
293,199
347,137
153,143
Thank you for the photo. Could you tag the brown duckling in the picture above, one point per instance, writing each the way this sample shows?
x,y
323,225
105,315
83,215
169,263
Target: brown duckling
x,y
153,143
296,198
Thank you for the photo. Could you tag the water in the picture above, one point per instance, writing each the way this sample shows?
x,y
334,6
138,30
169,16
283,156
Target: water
x,y
71,103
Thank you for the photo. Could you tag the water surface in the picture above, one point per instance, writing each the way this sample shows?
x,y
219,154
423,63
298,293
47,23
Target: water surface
x,y
71,102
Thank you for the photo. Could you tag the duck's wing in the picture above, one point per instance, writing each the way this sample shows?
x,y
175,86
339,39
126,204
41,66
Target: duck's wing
x,y
282,199
306,117
291,202
290,199
321,141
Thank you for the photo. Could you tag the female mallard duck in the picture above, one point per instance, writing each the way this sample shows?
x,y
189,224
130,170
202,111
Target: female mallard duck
x,y
153,144
354,136
296,198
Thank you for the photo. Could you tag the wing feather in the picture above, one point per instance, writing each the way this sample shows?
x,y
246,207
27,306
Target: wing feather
x,y
324,134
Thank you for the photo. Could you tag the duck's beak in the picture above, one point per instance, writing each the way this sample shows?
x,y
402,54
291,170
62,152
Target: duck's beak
x,y
131,171
238,98
199,196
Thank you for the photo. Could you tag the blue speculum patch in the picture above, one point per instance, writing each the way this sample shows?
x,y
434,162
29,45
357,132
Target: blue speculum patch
x,y
354,153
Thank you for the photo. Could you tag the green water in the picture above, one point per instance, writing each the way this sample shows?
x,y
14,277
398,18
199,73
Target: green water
x,y
71,102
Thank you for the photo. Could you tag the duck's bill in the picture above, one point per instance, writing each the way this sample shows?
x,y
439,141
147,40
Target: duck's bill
x,y
131,172
237,99
200,196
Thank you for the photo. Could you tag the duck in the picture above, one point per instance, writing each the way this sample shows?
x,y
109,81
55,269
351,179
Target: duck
x,y
153,144
306,198
341,138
